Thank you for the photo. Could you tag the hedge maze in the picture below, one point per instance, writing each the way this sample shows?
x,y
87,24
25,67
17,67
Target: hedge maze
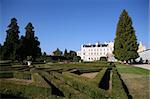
x,y
62,81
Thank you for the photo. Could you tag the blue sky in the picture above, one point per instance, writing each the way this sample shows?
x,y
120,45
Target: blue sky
x,y
70,23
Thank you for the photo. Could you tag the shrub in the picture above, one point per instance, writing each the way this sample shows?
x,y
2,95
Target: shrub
x,y
117,87
84,86
39,81
103,58
99,76
19,90
68,91
22,75
6,74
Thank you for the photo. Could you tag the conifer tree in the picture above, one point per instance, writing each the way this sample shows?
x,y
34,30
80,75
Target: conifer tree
x,y
32,43
29,45
125,45
57,52
65,53
9,49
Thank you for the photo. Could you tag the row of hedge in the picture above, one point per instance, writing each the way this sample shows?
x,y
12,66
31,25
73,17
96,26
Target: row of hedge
x,y
84,86
39,81
99,76
22,75
15,74
67,90
20,90
6,74
117,87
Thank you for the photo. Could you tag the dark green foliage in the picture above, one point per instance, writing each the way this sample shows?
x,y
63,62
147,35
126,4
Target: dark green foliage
x,y
84,86
71,56
117,87
67,90
9,49
5,74
66,53
99,76
125,45
57,52
42,82
103,58
18,49
76,58
39,81
21,90
29,45
22,75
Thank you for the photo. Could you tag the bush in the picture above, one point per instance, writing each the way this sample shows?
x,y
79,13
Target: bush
x,y
22,75
99,76
39,81
117,87
19,90
6,74
103,58
68,91
84,86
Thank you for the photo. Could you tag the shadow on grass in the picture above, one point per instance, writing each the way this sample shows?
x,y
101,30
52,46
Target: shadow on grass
x,y
104,83
55,91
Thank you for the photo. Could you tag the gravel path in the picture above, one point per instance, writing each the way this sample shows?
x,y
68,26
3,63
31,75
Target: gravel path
x,y
89,75
145,66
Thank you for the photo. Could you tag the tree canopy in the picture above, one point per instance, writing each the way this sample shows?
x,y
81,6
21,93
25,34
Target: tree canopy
x,y
57,52
29,45
9,49
16,48
125,45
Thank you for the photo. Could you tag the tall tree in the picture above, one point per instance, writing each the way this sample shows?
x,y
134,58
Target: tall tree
x,y
29,45
32,43
57,52
125,45
65,53
9,49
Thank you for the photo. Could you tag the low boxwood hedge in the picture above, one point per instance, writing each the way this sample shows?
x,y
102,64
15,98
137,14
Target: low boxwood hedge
x,y
67,90
85,86
39,81
6,74
19,90
99,76
22,75
117,87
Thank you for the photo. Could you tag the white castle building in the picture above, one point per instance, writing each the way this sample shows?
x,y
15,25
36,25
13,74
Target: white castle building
x,y
93,52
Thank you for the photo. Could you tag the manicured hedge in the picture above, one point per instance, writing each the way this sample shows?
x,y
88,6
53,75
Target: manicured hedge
x,y
19,90
99,76
39,81
88,70
68,91
6,74
61,77
117,87
85,86
22,75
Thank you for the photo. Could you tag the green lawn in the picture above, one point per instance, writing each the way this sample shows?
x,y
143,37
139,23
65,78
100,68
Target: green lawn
x,y
136,79
61,76
132,70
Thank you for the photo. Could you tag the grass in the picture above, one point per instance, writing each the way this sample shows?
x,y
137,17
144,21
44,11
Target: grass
x,y
136,79
18,89
73,85
132,70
